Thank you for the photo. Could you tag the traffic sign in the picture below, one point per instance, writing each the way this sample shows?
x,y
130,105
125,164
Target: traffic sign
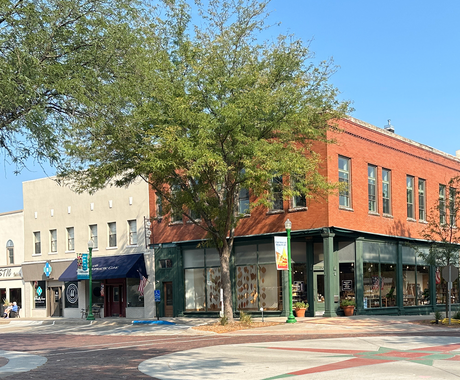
x,y
157,296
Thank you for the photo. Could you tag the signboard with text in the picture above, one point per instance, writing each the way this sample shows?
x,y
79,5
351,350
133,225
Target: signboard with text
x,y
281,253
82,266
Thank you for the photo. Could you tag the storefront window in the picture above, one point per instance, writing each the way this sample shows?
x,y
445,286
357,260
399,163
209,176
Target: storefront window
x,y
213,286
423,288
257,280
441,289
371,285
388,284
195,298
39,292
71,294
134,297
409,285
347,276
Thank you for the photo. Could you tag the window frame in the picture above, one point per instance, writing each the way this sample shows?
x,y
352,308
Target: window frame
x,y
37,243
442,204
372,194
410,199
277,200
132,234
70,232
386,200
53,240
452,208
93,237
421,199
345,176
298,202
10,252
111,236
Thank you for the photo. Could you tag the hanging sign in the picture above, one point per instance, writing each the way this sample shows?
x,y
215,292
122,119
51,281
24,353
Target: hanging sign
x,y
82,266
47,269
281,252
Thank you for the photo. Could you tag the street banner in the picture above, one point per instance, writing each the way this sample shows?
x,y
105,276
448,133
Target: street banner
x,y
281,253
82,266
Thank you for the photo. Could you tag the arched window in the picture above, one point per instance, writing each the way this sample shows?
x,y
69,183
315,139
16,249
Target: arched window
x,y
10,252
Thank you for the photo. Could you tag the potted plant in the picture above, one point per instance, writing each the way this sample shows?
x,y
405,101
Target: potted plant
x,y
348,306
300,308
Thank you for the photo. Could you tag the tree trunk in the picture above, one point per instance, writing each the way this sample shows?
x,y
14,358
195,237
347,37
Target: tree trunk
x,y
226,283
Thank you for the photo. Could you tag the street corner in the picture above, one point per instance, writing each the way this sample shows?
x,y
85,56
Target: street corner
x,y
15,362
357,358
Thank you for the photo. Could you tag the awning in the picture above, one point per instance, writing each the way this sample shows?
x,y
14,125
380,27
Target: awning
x,y
106,267
34,271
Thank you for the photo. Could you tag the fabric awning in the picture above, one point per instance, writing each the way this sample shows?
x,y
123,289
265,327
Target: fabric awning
x,y
34,271
106,267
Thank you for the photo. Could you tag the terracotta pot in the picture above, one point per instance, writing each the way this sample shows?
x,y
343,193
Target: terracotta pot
x,y
348,310
300,312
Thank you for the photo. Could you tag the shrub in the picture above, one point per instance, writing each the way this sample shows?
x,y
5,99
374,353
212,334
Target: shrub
x,y
224,321
437,315
347,302
300,305
245,318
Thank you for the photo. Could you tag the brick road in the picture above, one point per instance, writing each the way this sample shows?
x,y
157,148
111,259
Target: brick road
x,y
76,357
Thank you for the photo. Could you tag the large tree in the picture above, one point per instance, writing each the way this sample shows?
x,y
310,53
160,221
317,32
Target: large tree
x,y
221,111
442,232
62,63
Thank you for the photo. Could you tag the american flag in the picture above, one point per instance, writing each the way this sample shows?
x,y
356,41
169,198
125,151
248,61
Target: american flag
x,y
142,283
375,283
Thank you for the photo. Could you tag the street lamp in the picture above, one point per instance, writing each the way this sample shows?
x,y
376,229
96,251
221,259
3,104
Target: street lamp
x,y
90,316
288,226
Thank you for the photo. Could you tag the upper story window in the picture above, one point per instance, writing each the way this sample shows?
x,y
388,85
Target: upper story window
x,y
386,191
421,199
10,252
372,188
132,231
70,239
53,240
344,177
176,212
37,243
93,235
243,201
298,201
277,193
442,204
452,206
112,229
410,196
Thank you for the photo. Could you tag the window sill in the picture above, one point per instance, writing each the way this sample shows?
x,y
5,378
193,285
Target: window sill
x,y
193,222
132,246
274,212
52,253
346,208
111,248
388,216
73,251
373,213
36,254
411,220
422,221
297,209
176,223
240,215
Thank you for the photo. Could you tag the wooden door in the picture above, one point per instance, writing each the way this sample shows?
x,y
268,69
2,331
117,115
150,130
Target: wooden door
x,y
168,296
54,299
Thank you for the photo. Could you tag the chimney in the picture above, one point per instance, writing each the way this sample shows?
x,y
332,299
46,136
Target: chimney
x,y
389,127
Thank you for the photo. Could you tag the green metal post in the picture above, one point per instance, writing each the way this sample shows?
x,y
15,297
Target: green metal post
x,y
291,318
90,316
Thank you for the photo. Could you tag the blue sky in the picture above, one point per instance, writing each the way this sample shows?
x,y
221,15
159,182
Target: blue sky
x,y
398,60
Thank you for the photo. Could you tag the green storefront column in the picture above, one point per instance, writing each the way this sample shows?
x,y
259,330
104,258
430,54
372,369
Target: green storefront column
x,y
399,281
359,277
331,274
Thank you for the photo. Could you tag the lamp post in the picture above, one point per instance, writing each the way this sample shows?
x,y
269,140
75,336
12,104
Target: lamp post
x,y
90,316
288,226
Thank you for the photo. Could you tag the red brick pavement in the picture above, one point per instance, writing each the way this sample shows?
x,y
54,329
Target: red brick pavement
x,y
82,357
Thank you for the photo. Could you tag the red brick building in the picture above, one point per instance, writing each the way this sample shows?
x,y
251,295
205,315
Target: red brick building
x,y
350,245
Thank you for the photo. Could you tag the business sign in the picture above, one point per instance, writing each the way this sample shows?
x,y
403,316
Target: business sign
x,y
347,285
82,266
281,253
47,269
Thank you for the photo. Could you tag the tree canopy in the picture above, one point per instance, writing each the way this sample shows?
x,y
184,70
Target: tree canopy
x,y
218,110
63,63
